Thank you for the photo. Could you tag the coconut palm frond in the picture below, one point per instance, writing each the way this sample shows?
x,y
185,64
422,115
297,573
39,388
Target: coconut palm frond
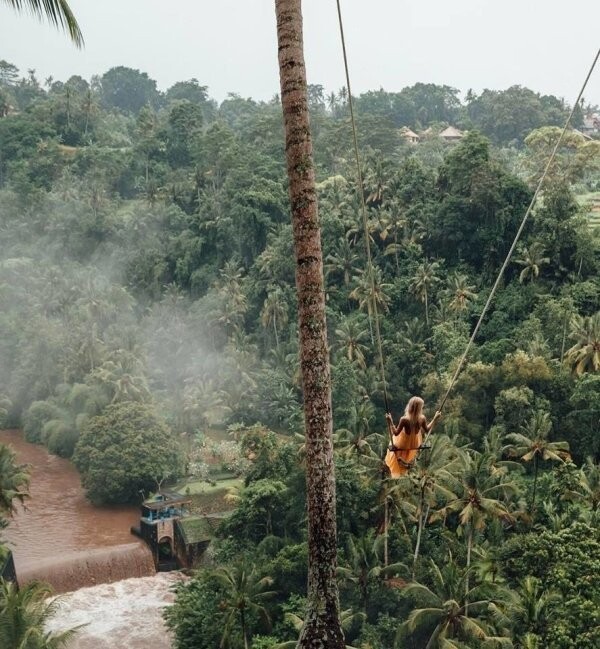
x,y
57,12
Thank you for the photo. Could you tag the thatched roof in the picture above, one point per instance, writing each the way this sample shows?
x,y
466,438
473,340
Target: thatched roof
x,y
406,132
451,133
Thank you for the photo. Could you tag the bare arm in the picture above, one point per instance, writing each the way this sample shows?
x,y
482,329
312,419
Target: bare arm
x,y
429,426
390,424
394,430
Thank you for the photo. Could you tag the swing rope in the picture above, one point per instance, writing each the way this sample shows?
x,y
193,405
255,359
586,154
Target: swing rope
x,y
508,255
518,234
359,176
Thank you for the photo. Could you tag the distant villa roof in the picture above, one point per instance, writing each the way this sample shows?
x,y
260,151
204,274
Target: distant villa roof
x,y
165,499
406,132
451,133
591,122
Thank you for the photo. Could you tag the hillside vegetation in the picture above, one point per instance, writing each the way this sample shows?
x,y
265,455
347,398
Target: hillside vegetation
x,y
147,275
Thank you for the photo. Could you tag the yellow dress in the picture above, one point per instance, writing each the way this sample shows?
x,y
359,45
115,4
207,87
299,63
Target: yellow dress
x,y
406,441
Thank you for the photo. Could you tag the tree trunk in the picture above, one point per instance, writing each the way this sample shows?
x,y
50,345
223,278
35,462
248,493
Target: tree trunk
x,y
385,532
469,547
422,519
246,645
535,475
88,107
426,309
564,338
322,626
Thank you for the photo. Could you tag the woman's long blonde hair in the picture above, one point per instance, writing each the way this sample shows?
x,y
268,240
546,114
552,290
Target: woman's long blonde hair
x,y
414,409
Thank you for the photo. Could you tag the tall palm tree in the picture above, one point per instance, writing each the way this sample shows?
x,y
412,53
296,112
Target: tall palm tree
x,y
376,180
352,335
274,313
412,335
480,491
430,476
322,621
532,259
121,381
423,282
488,564
57,12
356,440
584,355
332,102
392,221
365,564
532,607
233,305
245,592
24,614
532,443
364,295
590,484
14,479
342,260
355,231
204,403
460,293
453,612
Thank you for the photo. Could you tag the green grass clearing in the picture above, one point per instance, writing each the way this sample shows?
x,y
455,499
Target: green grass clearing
x,y
203,487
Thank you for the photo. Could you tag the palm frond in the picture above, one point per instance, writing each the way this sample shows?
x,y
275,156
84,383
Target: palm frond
x,y
57,12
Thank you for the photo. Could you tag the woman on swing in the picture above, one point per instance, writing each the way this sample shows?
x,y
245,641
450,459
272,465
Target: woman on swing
x,y
407,436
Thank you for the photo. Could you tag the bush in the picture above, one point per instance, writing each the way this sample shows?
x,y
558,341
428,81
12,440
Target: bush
x,y
196,617
60,437
567,562
125,450
38,414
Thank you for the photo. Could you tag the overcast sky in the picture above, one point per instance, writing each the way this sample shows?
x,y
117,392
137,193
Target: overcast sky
x,y
230,45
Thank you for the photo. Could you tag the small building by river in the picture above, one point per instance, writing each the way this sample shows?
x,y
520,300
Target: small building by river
x,y
176,538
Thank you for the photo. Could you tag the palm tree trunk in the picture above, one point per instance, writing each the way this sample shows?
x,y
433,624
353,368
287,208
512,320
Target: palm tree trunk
x,y
68,108
564,338
469,548
246,645
426,309
322,621
276,336
385,532
88,107
422,519
535,475
370,317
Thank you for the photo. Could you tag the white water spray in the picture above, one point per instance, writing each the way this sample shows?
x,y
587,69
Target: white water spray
x,y
123,615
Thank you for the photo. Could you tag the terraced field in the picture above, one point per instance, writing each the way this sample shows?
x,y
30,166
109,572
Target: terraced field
x,y
592,202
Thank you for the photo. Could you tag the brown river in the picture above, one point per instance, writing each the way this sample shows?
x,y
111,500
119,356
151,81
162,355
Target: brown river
x,y
88,553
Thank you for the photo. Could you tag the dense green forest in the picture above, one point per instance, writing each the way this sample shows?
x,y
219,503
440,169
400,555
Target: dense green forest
x,y
147,296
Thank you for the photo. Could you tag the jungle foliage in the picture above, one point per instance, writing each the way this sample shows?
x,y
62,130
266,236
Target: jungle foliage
x,y
147,297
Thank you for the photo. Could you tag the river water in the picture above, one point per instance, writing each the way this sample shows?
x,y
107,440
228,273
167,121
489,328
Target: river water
x,y
123,615
88,553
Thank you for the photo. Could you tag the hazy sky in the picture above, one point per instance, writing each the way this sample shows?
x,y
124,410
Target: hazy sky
x,y
230,45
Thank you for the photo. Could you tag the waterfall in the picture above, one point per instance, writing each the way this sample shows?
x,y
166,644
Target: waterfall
x,y
73,570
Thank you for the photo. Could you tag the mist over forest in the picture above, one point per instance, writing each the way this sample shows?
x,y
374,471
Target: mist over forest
x,y
147,283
